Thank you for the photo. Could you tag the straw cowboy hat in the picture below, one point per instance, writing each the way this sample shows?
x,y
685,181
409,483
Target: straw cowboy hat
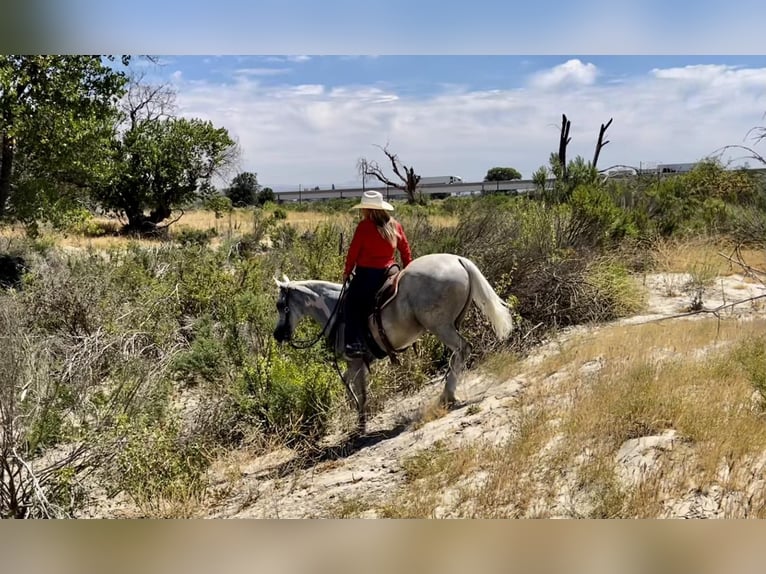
x,y
373,200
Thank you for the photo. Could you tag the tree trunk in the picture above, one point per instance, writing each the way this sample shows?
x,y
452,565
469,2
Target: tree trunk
x,y
160,213
601,143
6,169
411,185
564,140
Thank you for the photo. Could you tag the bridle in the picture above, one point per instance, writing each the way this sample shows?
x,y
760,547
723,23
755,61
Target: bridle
x,y
306,344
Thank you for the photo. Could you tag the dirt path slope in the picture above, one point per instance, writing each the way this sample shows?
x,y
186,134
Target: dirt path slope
x,y
284,485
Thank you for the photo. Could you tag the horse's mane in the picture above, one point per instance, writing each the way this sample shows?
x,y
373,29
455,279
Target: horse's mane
x,y
317,286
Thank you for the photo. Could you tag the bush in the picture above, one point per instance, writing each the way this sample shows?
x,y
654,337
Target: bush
x,y
595,219
751,355
189,236
279,396
161,471
220,204
205,359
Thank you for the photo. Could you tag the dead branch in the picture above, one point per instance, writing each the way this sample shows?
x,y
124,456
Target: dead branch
x,y
750,271
753,154
42,500
166,225
715,311
147,103
564,140
601,143
408,179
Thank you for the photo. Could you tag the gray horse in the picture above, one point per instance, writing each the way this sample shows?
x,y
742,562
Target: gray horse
x,y
434,294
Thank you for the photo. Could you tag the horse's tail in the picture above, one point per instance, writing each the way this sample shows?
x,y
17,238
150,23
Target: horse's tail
x,y
493,307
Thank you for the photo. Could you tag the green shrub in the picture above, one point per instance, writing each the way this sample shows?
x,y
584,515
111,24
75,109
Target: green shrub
x,y
160,470
204,361
219,205
751,355
288,398
595,218
279,214
611,292
189,236
89,227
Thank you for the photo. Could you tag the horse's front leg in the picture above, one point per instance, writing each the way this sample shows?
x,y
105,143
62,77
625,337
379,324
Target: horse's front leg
x,y
356,385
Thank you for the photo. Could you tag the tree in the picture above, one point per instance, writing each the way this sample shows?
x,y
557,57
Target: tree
x,y
502,174
569,175
757,134
159,162
266,194
56,115
243,189
408,179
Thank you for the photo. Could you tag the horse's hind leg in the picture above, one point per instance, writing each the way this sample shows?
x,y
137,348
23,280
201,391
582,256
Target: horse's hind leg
x,y
460,350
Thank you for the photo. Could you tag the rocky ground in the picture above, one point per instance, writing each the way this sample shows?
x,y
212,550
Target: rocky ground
x,y
285,485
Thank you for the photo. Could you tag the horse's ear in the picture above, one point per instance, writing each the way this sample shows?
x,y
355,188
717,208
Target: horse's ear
x,y
285,279
279,283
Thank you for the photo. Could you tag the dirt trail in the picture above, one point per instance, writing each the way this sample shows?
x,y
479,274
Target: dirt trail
x,y
369,469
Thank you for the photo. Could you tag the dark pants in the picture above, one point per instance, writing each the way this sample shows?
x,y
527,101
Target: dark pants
x,y
360,298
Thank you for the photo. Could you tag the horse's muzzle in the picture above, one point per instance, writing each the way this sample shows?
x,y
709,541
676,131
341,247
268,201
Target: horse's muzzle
x,y
281,334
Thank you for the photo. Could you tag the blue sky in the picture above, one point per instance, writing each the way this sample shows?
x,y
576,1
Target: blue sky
x,y
407,26
306,119
435,80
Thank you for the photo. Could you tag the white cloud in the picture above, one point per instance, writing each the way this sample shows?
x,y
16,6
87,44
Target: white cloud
x,y
570,72
312,134
305,90
261,71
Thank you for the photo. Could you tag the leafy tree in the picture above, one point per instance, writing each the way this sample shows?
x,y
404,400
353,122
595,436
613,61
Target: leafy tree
x,y
162,165
502,174
159,162
244,189
266,194
218,204
56,116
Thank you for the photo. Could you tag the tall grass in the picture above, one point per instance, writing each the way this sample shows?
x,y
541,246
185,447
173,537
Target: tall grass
x,y
698,378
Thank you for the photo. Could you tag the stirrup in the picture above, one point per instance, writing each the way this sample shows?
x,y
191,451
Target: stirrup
x,y
354,350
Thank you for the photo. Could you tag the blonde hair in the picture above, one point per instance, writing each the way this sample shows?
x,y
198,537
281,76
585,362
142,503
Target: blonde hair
x,y
385,223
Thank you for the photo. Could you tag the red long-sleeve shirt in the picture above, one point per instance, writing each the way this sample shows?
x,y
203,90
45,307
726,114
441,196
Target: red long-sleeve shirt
x,y
370,249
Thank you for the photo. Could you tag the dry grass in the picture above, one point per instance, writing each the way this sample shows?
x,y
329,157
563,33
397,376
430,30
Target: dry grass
x,y
235,224
703,257
598,391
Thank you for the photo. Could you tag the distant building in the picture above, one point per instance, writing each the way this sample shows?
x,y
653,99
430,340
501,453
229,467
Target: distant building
x,y
675,167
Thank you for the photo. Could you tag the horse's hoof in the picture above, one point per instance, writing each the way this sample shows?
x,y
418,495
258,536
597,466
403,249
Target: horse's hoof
x,y
449,402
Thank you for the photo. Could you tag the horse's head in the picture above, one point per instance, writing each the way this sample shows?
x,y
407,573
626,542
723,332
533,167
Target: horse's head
x,y
287,321
293,304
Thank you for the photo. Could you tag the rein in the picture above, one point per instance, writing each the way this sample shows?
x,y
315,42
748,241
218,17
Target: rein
x,y
306,344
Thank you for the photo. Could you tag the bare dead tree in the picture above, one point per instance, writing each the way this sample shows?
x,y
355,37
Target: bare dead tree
x,y
601,143
564,140
756,134
407,178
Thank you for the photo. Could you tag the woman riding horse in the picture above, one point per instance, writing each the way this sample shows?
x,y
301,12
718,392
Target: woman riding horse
x,y
376,240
